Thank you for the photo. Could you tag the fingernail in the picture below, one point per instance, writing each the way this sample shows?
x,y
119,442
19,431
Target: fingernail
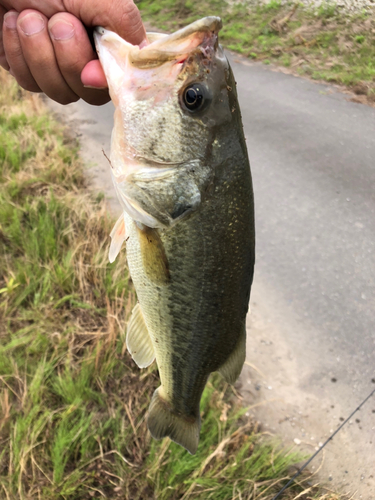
x,y
10,20
62,30
95,88
32,24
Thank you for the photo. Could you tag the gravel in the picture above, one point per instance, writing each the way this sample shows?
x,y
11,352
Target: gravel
x,y
348,5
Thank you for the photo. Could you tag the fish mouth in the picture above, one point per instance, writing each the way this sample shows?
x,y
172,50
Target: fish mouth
x,y
141,167
141,161
163,48
151,169
152,162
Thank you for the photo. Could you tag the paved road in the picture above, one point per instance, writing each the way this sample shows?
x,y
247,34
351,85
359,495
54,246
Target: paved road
x,y
313,161
311,337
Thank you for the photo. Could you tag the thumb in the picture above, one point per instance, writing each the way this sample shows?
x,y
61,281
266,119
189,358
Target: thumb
x,y
120,16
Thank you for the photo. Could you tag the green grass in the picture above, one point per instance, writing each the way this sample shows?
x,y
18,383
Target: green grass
x,y
72,402
230,461
324,43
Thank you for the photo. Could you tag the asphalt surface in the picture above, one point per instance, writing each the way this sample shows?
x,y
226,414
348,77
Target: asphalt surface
x,y
311,334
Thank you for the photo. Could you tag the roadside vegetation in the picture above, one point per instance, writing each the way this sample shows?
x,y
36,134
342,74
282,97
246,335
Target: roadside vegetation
x,y
324,43
72,402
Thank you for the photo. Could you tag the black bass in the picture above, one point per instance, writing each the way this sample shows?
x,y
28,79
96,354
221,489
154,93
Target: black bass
x,y
181,171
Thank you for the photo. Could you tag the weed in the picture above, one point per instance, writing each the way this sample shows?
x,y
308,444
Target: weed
x,y
327,9
271,5
236,463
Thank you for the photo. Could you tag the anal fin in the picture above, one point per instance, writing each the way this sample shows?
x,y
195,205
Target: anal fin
x,y
138,339
232,367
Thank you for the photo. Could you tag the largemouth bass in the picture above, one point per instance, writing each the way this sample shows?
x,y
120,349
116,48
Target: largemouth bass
x,y
180,168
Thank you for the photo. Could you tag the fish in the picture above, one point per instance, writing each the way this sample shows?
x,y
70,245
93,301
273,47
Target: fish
x,y
180,167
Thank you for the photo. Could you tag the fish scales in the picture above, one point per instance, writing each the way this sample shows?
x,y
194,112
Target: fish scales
x,y
184,181
209,270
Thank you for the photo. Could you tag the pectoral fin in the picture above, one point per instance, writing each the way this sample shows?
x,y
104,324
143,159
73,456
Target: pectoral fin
x,y
138,339
118,236
232,367
154,259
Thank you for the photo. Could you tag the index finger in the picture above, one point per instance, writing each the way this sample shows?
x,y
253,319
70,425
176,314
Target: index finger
x,y
121,16
46,7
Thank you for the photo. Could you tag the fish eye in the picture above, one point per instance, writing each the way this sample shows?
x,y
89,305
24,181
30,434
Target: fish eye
x,y
195,96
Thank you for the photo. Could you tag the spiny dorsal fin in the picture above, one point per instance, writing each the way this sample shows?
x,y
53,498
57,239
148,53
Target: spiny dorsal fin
x,y
118,236
138,339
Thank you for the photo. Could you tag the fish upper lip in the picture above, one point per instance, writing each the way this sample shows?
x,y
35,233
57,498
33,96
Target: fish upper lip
x,y
166,48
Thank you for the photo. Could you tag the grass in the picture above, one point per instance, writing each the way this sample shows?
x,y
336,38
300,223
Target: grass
x,y
324,43
72,402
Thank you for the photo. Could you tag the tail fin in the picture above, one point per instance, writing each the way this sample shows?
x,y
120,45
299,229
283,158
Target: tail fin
x,y
182,429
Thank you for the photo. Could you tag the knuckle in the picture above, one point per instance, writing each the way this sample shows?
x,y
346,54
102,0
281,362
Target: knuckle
x,y
71,66
129,12
26,84
65,99
4,63
130,8
97,100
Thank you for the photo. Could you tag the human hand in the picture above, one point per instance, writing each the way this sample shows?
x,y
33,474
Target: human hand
x,y
45,46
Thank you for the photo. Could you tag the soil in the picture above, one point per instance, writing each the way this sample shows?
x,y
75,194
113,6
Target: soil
x,y
280,391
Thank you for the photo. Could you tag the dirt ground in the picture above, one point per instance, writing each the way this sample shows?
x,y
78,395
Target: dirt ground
x,y
282,395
